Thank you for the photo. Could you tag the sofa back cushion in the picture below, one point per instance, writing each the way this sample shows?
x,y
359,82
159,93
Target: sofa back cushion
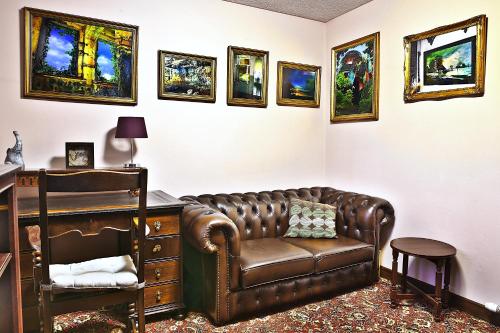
x,y
262,214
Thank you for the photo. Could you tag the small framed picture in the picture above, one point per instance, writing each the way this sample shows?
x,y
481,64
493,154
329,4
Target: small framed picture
x,y
247,77
79,155
446,62
187,77
298,85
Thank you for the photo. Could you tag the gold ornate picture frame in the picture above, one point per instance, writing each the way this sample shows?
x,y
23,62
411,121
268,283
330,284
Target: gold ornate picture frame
x,y
298,85
187,77
446,62
355,80
74,58
247,77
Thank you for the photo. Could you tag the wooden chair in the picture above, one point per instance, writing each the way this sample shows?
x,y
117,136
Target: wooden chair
x,y
90,266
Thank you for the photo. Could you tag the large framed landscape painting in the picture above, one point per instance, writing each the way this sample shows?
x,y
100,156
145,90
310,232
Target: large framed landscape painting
x,y
74,58
446,62
298,85
355,80
247,77
187,77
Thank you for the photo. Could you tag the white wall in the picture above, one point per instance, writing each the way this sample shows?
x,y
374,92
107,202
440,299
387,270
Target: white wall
x,y
437,162
192,147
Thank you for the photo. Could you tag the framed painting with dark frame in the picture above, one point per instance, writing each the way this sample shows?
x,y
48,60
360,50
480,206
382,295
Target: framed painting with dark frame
x,y
186,77
75,58
355,80
298,85
247,76
79,155
446,62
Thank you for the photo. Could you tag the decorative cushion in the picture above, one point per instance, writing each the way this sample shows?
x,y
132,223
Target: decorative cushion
x,y
311,220
110,272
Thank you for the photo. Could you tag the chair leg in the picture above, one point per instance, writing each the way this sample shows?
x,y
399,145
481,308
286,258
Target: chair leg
x,y
140,311
46,316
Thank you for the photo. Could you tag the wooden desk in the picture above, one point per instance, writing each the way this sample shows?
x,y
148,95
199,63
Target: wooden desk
x,y
163,246
10,287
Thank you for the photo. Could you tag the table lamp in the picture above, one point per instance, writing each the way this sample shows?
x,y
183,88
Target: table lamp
x,y
131,128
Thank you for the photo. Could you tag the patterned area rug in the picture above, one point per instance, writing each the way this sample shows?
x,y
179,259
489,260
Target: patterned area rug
x,y
365,310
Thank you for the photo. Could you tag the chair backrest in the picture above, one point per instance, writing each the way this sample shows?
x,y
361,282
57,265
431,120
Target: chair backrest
x,y
101,241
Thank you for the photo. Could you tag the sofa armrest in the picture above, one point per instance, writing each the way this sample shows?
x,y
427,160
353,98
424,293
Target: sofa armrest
x,y
360,216
201,224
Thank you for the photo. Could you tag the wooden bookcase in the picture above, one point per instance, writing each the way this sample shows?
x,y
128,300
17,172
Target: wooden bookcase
x,y
10,283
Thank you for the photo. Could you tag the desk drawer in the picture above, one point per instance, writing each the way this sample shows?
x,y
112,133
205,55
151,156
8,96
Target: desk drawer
x,y
161,271
156,248
161,295
160,225
31,323
28,293
26,260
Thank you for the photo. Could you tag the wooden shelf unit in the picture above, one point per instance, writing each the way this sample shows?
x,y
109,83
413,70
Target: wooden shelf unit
x,y
10,281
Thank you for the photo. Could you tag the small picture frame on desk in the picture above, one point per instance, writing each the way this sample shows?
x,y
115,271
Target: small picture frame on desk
x,y
79,155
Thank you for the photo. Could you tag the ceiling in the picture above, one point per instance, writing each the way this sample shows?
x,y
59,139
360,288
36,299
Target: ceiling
x,y
317,10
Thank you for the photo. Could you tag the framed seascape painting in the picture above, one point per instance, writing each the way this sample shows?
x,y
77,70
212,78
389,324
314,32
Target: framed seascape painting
x,y
187,77
247,77
298,85
355,80
446,62
74,58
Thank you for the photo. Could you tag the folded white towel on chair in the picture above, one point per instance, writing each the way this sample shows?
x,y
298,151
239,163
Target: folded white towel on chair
x,y
110,272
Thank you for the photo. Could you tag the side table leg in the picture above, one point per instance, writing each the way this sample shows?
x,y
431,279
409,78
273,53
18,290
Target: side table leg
x,y
446,290
394,280
405,273
439,281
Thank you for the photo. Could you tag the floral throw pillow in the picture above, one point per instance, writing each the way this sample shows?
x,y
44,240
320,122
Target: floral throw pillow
x,y
311,220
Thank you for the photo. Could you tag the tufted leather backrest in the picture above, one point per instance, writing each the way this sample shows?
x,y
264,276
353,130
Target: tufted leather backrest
x,y
262,214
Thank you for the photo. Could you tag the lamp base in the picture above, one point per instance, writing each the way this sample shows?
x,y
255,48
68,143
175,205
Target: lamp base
x,y
131,165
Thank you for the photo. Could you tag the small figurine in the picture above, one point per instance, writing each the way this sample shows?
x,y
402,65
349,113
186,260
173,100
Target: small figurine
x,y
15,154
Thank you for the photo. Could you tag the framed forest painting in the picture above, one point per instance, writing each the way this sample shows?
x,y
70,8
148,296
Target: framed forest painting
x,y
355,80
298,85
247,77
74,58
187,77
446,62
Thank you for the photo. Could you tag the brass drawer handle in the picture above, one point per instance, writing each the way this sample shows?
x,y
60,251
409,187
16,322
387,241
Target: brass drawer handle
x,y
157,248
157,225
157,273
158,296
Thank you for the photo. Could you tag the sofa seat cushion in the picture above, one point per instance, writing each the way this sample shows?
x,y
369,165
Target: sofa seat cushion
x,y
111,272
267,260
330,254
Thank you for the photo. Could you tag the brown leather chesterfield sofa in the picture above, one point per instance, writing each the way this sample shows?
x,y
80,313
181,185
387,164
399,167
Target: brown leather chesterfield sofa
x,y
236,264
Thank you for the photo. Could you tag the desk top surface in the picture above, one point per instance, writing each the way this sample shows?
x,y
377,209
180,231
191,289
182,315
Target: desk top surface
x,y
95,203
8,168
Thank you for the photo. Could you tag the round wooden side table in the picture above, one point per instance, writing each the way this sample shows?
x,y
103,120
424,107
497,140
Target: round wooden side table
x,y
439,253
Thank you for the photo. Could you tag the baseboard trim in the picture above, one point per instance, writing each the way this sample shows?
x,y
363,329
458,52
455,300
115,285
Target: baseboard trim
x,y
459,302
